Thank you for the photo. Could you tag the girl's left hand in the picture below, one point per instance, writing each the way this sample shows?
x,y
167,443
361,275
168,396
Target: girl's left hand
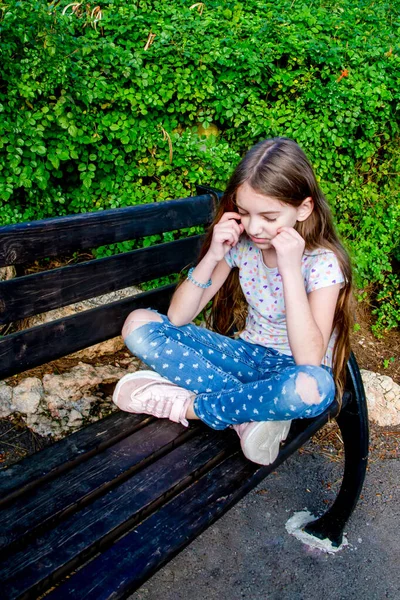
x,y
289,247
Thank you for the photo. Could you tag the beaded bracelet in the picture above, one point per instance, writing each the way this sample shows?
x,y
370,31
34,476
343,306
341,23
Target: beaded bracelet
x,y
200,285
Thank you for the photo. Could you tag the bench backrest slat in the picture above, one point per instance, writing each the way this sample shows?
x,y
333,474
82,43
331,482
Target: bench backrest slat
x,y
40,292
39,345
26,242
33,294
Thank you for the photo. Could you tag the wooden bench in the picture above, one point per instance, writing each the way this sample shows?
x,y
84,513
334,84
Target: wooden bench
x,y
97,513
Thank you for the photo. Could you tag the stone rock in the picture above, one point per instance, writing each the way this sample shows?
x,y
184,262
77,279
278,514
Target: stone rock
x,y
386,382
84,404
383,398
109,346
27,396
76,392
104,348
56,411
7,273
79,382
45,426
390,396
61,403
75,419
5,400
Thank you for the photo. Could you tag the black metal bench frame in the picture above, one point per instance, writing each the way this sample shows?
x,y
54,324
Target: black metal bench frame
x,y
97,513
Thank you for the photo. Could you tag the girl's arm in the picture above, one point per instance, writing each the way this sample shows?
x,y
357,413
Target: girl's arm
x,y
190,299
309,319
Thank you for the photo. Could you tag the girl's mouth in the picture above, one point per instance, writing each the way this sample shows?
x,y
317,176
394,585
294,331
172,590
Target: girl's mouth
x,y
258,240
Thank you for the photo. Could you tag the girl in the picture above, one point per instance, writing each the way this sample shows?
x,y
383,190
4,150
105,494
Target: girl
x,y
276,271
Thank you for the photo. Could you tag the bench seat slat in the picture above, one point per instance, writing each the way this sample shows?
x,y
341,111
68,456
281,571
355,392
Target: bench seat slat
x,y
25,242
107,517
33,294
123,567
39,345
36,564
55,499
63,455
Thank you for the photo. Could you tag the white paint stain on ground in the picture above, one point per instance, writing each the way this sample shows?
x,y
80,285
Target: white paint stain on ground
x,y
295,525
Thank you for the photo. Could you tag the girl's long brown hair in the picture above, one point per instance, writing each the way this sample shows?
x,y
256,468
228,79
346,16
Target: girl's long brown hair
x,y
279,169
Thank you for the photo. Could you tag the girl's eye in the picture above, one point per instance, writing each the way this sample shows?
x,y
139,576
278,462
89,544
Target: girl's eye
x,y
269,220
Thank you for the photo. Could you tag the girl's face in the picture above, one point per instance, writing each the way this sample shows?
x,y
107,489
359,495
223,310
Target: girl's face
x,y
263,216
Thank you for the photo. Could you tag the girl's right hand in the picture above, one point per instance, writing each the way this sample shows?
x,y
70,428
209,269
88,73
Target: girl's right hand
x,y
226,234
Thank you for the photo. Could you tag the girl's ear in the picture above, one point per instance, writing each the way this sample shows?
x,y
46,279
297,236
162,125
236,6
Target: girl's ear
x,y
305,209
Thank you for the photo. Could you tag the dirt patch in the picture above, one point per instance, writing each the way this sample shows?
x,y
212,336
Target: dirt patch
x,y
18,441
379,355
384,443
61,365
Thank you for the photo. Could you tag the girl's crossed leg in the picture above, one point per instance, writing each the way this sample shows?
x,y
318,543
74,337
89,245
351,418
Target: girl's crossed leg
x,y
232,381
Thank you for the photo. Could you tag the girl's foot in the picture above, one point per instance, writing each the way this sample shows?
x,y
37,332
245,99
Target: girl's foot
x,y
149,393
260,439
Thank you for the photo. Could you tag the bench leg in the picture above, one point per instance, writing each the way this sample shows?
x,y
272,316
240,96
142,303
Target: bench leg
x,y
353,424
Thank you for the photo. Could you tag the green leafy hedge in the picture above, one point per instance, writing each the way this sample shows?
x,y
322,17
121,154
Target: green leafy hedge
x,y
103,105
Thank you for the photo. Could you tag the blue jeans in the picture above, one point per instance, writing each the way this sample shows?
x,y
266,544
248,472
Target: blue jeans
x,y
234,381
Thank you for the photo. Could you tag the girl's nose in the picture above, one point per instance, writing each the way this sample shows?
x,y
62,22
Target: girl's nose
x,y
255,227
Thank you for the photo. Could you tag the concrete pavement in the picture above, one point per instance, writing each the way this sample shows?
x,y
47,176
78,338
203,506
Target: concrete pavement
x,y
249,555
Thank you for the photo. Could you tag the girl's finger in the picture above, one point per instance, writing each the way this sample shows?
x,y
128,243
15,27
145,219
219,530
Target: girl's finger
x,y
231,242
228,235
230,225
229,215
282,236
290,231
281,242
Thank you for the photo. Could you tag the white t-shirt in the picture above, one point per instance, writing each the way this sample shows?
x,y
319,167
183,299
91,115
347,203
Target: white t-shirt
x,y
263,290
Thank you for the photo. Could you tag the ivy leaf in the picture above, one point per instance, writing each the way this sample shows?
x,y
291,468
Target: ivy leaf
x,y
72,130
